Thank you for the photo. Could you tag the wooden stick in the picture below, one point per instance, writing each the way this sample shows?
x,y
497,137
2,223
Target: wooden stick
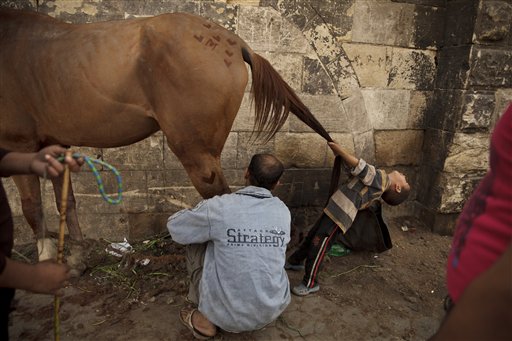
x,y
60,246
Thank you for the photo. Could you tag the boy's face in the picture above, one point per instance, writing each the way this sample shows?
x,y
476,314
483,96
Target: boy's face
x,y
401,180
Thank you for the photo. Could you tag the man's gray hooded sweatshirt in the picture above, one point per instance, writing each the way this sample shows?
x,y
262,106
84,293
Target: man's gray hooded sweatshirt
x,y
244,285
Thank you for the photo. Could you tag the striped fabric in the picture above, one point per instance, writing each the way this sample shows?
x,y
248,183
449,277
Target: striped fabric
x,y
366,186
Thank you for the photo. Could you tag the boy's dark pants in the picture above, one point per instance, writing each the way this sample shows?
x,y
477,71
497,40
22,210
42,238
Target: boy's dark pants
x,y
368,232
314,247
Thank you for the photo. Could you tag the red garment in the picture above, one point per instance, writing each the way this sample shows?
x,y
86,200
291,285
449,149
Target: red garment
x,y
484,229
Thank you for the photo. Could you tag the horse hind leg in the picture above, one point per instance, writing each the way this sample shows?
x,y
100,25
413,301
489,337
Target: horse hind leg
x,y
31,205
75,232
76,259
205,172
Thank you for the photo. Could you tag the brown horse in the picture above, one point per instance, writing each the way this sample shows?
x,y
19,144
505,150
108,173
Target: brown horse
x,y
114,83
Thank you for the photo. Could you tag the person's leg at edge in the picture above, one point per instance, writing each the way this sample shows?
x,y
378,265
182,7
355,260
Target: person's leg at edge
x,y
320,245
195,260
6,296
301,253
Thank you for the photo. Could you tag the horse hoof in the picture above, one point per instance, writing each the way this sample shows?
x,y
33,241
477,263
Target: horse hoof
x,y
76,260
46,249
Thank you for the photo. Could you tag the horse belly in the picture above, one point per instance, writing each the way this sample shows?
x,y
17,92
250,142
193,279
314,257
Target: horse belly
x,y
82,88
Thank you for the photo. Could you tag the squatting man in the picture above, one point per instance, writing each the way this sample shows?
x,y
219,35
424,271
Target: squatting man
x,y
236,254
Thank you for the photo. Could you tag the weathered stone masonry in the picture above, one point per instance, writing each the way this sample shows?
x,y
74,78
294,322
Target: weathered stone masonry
x,y
414,85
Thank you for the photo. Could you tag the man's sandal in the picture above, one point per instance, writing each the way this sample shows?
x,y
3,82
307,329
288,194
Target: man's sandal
x,y
186,320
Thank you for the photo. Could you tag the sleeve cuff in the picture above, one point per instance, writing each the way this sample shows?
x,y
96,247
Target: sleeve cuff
x,y
359,168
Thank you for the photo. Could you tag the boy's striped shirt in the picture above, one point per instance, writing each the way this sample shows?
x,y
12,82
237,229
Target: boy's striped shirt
x,y
365,186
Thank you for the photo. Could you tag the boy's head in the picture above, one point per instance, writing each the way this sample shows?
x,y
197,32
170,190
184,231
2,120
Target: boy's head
x,y
398,189
265,170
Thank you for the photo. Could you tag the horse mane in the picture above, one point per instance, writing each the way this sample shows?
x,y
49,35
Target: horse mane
x,y
274,99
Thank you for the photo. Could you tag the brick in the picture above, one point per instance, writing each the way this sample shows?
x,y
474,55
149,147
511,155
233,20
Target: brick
x,y
503,100
383,23
328,110
244,2
22,232
494,23
265,30
289,66
326,46
399,147
390,109
358,119
364,146
346,141
228,158
244,120
418,107
467,153
453,67
412,69
444,113
145,225
434,3
147,153
134,193
316,80
307,187
371,63
436,148
150,7
220,13
170,199
298,12
304,150
112,227
490,67
456,189
13,196
429,26
248,146
477,111
429,195
170,161
460,22
343,76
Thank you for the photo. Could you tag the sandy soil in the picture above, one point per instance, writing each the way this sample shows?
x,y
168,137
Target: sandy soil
x,y
395,295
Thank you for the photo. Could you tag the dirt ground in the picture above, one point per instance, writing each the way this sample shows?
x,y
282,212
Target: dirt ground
x,y
395,295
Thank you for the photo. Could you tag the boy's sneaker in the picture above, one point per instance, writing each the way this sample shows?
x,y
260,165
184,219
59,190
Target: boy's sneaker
x,y
289,266
302,290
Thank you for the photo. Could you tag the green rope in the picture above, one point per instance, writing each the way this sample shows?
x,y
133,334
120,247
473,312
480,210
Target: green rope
x,y
90,162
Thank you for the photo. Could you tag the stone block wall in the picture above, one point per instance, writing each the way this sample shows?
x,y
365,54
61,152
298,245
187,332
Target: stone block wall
x,y
473,86
400,83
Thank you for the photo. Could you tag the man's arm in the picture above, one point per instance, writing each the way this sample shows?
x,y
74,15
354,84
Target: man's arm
x,y
42,163
190,226
349,159
44,277
484,311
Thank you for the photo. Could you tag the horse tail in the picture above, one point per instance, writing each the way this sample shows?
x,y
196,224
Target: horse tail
x,y
274,99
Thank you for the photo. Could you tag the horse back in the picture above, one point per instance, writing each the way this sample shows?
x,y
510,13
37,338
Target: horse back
x,y
195,57
119,81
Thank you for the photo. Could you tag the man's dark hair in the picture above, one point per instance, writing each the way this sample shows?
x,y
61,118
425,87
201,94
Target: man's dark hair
x,y
394,198
265,170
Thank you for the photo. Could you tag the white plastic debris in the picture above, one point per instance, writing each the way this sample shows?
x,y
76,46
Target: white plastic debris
x,y
143,262
405,228
119,249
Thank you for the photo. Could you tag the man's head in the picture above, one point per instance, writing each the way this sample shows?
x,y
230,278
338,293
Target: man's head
x,y
264,171
398,189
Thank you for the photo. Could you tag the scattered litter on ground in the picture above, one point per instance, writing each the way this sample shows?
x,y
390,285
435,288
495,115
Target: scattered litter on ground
x,y
119,249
